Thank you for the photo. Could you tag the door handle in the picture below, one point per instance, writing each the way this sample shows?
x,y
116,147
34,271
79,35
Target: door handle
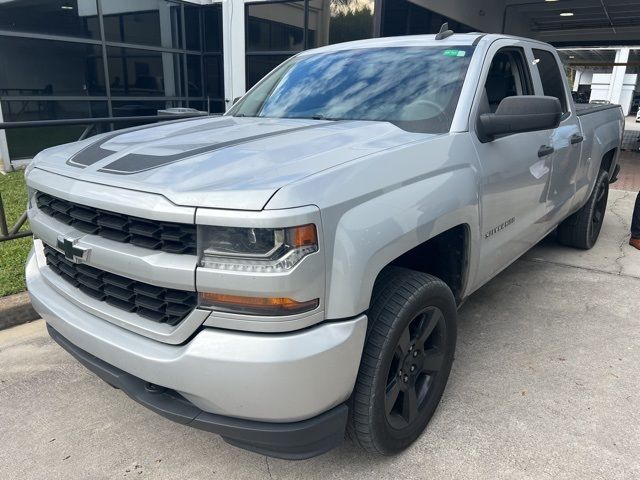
x,y
576,138
545,150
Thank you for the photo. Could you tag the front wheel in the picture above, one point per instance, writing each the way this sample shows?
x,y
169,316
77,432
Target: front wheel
x,y
582,229
406,361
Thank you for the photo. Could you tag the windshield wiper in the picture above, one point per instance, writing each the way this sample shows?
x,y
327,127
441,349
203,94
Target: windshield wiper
x,y
319,116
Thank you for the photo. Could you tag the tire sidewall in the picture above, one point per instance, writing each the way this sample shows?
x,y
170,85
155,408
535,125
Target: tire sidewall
x,y
388,439
603,177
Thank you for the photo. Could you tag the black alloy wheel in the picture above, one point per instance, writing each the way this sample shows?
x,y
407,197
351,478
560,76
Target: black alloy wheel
x,y
600,207
417,361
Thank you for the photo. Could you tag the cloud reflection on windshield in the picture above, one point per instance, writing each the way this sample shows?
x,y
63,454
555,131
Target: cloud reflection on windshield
x,y
393,84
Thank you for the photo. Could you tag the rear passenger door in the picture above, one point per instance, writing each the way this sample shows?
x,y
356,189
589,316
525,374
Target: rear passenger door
x,y
566,140
515,170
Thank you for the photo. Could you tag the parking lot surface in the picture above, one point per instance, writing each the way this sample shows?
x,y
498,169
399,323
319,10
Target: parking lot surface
x,y
545,385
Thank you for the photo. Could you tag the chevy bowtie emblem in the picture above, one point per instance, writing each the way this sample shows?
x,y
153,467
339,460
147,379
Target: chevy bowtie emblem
x,y
72,251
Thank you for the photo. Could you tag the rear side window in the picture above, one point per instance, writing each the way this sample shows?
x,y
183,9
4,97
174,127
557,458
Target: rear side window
x,y
552,80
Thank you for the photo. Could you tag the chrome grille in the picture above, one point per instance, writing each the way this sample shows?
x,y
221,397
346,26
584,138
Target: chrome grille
x,y
166,236
162,305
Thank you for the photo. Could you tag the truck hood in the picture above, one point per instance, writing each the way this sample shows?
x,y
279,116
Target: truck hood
x,y
222,162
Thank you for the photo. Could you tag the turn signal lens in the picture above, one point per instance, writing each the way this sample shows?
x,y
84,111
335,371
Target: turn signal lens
x,y
255,305
303,236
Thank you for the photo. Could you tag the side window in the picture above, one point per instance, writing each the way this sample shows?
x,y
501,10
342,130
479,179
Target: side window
x,y
552,80
508,76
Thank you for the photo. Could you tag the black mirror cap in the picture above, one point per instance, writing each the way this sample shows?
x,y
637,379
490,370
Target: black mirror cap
x,y
519,114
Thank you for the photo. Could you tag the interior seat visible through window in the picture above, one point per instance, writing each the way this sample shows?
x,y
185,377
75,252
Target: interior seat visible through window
x,y
507,77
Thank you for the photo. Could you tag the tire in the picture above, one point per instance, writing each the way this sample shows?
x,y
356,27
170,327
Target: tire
x,y
410,345
582,229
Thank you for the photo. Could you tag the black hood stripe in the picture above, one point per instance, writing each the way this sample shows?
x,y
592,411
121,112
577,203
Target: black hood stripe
x,y
94,152
136,162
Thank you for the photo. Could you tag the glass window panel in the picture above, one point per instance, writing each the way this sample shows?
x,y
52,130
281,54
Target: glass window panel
x,y
155,22
46,67
416,88
135,108
74,18
403,17
259,65
197,104
194,75
212,18
213,76
335,21
26,142
553,83
275,27
211,106
141,73
192,27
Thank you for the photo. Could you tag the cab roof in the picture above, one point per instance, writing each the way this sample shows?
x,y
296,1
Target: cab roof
x,y
457,39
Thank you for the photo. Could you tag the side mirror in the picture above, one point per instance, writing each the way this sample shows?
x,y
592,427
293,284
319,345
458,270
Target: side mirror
x,y
526,113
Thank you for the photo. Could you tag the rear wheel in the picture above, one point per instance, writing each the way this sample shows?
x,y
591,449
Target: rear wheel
x,y
406,361
582,229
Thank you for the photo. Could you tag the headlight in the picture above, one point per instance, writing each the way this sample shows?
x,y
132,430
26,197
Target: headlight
x,y
255,250
260,250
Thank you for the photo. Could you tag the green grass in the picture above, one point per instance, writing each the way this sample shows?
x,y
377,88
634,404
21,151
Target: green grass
x,y
13,253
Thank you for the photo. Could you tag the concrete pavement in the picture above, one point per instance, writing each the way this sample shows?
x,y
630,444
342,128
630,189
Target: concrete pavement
x,y
545,385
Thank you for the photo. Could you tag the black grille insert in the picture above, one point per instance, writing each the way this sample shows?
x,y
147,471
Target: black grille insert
x,y
165,236
162,305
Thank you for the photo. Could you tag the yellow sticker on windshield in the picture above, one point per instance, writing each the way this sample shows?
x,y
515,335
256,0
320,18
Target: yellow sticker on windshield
x,y
454,53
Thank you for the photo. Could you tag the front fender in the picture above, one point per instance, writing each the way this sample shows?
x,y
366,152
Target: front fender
x,y
372,234
379,206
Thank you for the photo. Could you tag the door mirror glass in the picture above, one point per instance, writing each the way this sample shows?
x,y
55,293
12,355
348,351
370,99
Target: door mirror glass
x,y
520,114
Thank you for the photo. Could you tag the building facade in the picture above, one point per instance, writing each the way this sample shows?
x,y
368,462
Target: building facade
x,y
609,74
114,58
98,58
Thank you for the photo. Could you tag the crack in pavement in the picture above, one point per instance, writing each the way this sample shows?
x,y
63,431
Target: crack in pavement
x,y
618,260
620,240
568,265
266,460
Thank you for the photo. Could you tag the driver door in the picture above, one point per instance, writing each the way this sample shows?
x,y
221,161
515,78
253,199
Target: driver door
x,y
515,169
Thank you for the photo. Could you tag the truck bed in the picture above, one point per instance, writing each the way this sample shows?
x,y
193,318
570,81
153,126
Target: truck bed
x,y
587,108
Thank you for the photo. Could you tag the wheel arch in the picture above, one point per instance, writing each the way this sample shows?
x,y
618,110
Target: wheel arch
x,y
445,256
608,163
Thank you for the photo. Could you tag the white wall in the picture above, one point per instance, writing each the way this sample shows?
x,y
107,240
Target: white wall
x,y
5,160
628,89
602,89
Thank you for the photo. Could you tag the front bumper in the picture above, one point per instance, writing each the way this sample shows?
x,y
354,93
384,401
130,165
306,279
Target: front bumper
x,y
293,441
276,378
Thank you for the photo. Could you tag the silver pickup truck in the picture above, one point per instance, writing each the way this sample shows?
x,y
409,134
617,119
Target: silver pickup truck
x,y
292,270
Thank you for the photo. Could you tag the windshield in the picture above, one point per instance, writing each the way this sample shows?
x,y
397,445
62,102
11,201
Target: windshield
x,y
416,88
